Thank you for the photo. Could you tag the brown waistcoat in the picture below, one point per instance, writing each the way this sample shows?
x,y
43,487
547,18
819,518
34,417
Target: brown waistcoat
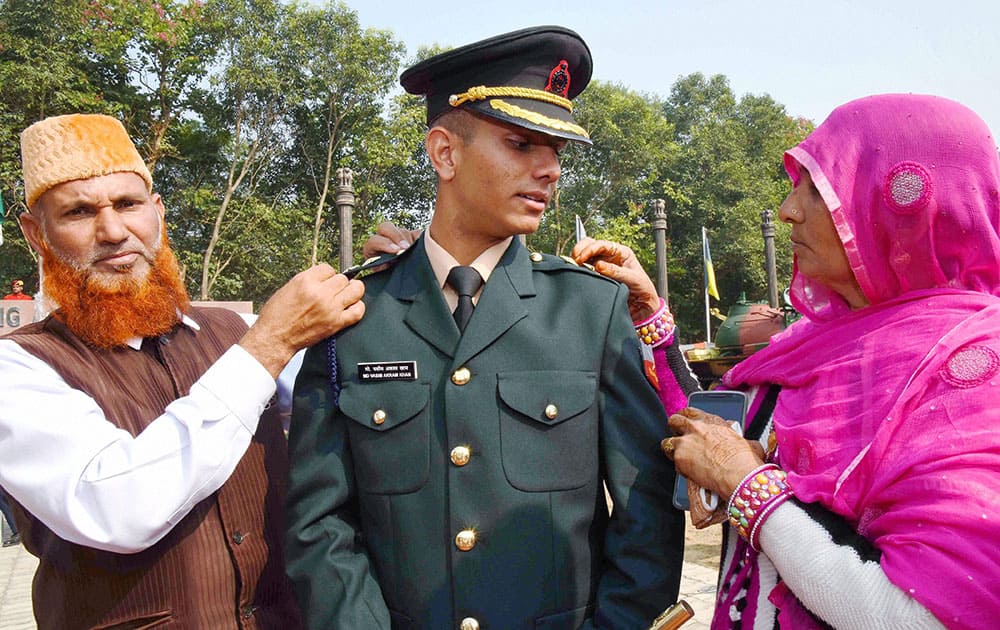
x,y
222,565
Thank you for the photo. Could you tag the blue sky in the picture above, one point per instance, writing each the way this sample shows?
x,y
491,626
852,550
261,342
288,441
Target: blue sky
x,y
809,55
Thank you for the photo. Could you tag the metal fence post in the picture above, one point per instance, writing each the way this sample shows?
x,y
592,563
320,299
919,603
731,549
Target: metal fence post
x,y
767,229
660,239
345,200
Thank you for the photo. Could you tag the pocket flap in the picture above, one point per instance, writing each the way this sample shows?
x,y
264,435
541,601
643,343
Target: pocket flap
x,y
383,406
548,396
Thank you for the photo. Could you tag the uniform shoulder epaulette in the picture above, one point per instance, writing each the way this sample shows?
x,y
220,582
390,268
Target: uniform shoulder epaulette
x,y
375,261
546,262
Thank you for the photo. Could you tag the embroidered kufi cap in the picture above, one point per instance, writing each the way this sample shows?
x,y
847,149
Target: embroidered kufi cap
x,y
76,146
526,78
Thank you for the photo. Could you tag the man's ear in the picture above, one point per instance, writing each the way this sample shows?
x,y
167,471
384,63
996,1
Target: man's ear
x,y
31,227
158,202
444,151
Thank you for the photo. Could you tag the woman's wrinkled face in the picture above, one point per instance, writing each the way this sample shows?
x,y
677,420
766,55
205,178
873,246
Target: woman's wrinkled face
x,y
819,252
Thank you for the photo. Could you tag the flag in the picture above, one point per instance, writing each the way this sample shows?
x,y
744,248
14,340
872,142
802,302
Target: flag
x,y
581,232
710,286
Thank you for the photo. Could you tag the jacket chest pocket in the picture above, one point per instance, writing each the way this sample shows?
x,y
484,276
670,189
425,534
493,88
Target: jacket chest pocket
x,y
389,430
548,429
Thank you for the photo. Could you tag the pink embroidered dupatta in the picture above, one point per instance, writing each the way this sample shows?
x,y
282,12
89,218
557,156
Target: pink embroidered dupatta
x,y
888,415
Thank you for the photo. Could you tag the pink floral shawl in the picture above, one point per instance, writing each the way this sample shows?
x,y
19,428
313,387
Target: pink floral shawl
x,y
890,415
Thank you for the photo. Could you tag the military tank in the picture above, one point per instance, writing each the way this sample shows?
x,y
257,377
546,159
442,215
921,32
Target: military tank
x,y
744,330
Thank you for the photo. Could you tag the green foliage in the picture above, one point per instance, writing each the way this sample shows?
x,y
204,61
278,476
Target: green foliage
x,y
337,115
620,173
246,109
728,171
41,74
716,161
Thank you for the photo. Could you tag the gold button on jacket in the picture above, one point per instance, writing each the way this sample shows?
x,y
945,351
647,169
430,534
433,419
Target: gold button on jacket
x,y
461,376
469,623
465,540
460,455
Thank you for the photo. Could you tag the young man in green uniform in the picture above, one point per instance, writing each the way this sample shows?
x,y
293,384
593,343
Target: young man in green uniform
x,y
449,464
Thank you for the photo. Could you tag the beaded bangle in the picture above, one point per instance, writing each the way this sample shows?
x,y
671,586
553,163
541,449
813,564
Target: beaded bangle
x,y
657,329
755,498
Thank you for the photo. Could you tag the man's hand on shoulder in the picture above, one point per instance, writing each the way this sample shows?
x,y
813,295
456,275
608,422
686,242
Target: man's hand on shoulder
x,y
313,305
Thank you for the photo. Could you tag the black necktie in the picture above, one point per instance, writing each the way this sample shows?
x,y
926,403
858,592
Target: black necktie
x,y
466,281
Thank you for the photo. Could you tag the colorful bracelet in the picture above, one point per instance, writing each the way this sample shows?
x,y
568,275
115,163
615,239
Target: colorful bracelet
x,y
755,498
657,329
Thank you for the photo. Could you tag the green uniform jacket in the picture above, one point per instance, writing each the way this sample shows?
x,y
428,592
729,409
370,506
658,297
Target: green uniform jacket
x,y
556,403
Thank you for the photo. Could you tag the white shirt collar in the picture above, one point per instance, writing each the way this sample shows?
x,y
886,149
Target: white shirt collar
x,y
442,262
136,342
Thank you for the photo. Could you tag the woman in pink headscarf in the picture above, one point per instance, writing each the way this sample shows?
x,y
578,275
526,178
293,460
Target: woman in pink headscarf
x,y
876,501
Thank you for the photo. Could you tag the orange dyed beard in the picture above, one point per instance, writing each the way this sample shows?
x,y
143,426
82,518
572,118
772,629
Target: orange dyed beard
x,y
108,316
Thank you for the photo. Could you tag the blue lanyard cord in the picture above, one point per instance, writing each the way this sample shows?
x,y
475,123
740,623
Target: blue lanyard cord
x,y
331,355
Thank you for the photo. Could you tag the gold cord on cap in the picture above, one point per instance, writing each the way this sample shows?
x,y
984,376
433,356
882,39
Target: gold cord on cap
x,y
481,93
536,118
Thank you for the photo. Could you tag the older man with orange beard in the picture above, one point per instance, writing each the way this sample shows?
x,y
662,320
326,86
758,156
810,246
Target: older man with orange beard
x,y
137,435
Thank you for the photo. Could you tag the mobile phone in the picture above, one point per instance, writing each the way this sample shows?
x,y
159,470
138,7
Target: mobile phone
x,y
728,405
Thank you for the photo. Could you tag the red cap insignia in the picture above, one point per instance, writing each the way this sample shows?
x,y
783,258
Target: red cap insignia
x,y
559,79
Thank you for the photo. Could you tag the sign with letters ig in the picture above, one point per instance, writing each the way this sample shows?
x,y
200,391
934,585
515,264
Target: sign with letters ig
x,y
14,314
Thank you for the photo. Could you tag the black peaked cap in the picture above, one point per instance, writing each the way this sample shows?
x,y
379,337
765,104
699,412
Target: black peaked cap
x,y
529,78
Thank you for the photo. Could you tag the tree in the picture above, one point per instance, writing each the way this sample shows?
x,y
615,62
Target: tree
x,y
137,59
246,108
255,86
41,74
609,184
729,169
391,146
154,55
343,74
403,189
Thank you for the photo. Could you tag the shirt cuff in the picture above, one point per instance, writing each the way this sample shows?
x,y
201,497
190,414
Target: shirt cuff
x,y
242,384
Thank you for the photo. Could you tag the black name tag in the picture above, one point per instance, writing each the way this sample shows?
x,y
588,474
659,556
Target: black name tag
x,y
388,371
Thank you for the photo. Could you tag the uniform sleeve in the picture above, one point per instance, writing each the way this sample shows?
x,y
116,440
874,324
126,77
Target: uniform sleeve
x,y
325,559
95,484
644,544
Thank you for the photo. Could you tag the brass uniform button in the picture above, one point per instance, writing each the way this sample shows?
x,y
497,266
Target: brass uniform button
x,y
551,411
469,623
461,376
465,540
460,455
379,416
535,257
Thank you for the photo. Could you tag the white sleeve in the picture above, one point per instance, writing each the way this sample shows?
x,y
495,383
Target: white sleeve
x,y
286,379
96,485
832,580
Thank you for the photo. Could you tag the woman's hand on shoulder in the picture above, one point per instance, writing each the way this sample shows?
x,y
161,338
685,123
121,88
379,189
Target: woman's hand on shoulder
x,y
618,262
